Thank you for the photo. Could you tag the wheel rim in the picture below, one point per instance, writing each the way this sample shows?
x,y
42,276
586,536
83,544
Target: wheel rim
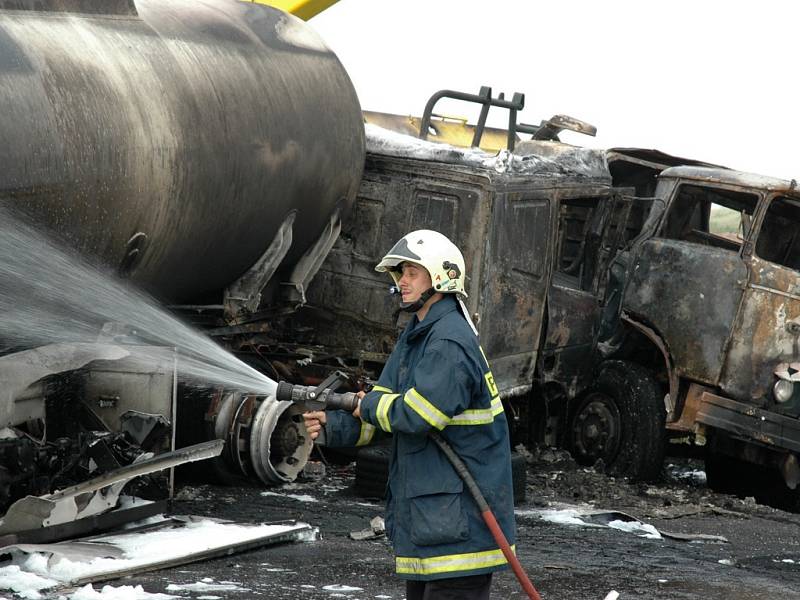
x,y
596,430
279,443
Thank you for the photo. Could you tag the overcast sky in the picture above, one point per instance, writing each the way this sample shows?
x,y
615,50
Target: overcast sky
x,y
707,79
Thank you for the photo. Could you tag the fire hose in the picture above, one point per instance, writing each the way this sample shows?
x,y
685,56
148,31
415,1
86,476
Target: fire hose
x,y
323,397
487,514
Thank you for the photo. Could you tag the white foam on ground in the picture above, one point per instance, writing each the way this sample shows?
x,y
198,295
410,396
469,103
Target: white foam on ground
x,y
33,572
23,583
341,588
569,516
298,497
575,516
641,529
109,592
205,586
681,473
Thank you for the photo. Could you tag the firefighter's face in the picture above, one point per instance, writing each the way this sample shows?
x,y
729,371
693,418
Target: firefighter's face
x,y
414,280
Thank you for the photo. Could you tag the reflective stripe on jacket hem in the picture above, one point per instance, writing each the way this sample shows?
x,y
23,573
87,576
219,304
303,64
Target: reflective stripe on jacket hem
x,y
382,412
451,563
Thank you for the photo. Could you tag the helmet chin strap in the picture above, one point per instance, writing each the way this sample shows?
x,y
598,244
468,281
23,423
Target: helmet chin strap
x,y
419,303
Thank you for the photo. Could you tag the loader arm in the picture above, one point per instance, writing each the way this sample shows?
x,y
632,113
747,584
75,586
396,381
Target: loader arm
x,y
304,9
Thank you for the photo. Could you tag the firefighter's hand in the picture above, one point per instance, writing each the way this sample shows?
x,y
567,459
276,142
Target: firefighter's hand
x,y
357,411
315,420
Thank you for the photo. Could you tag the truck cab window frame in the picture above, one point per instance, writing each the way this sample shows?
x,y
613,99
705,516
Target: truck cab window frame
x,y
710,216
778,238
580,236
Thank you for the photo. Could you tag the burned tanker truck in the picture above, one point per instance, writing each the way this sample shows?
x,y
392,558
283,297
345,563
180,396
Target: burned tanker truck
x,y
202,151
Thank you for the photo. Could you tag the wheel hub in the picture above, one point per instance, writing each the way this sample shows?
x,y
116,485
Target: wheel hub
x,y
596,430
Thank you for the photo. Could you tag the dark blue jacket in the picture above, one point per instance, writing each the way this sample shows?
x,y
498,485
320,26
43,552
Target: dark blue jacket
x,y
437,378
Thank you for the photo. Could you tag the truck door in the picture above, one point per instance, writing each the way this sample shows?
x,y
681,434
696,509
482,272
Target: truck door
x,y
687,281
514,287
767,330
591,231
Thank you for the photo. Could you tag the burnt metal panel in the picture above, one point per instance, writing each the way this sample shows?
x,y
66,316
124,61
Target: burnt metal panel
x,y
515,284
765,334
504,223
395,197
88,525
690,295
749,423
572,320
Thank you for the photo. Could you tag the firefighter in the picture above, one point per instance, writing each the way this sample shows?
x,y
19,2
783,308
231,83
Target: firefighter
x,y
437,378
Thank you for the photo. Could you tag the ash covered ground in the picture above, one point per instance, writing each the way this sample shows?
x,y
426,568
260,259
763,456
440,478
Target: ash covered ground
x,y
566,561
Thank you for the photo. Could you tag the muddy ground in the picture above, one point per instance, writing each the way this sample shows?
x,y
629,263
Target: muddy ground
x,y
761,558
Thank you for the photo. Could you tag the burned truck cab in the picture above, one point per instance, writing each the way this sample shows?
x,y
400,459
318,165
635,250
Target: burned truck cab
x,y
537,227
716,282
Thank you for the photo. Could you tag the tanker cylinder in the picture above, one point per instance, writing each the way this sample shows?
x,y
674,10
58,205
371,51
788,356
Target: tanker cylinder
x,y
179,142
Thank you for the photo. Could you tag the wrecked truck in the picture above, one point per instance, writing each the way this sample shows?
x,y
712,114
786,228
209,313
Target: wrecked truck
x,y
625,298
709,293
538,228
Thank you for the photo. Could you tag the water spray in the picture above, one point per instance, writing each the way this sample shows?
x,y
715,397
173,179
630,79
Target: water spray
x,y
50,295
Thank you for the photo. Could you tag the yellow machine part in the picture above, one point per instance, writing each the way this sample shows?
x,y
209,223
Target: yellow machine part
x,y
448,130
305,9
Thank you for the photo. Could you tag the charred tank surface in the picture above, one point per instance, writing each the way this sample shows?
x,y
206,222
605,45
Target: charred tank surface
x,y
171,139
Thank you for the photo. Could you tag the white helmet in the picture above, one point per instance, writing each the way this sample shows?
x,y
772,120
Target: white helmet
x,y
433,251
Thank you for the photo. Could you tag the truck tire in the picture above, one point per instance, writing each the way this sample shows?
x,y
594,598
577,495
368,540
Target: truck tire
x,y
372,473
621,422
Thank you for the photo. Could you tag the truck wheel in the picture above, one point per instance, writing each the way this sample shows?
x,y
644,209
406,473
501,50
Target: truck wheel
x,y
372,473
621,422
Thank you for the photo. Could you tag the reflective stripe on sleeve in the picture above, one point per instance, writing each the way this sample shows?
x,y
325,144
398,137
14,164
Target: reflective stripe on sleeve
x,y
367,433
420,405
380,388
484,357
479,416
451,563
382,412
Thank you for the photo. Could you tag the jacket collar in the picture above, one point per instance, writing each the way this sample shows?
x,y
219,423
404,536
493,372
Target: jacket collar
x,y
437,310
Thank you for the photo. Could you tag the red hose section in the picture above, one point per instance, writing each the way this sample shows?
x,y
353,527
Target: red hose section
x,y
501,540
